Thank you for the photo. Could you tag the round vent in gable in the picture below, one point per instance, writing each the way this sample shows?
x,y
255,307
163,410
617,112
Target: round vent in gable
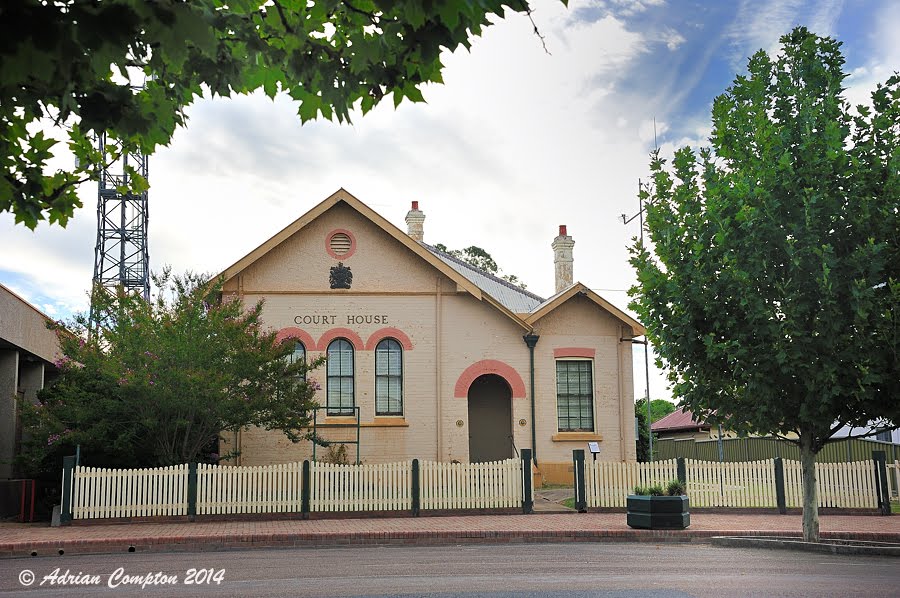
x,y
340,244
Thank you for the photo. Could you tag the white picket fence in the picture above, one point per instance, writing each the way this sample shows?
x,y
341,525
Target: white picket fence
x,y
223,489
102,493
739,484
495,484
608,483
105,493
847,485
376,487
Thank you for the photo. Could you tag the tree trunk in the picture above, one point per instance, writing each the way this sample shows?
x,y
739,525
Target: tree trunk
x,y
810,496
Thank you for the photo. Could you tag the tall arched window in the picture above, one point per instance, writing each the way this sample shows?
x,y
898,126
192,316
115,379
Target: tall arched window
x,y
340,378
388,378
299,354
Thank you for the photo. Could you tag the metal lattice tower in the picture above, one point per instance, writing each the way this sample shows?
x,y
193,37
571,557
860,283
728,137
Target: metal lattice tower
x,y
120,256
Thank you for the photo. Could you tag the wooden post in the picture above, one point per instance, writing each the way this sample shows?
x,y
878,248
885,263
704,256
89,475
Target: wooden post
x,y
779,486
65,511
580,499
527,495
192,491
416,488
881,483
305,490
682,471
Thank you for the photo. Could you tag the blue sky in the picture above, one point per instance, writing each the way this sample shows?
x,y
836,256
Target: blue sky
x,y
515,143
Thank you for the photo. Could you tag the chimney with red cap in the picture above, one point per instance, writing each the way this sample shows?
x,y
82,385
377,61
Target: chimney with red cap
x,y
415,221
562,259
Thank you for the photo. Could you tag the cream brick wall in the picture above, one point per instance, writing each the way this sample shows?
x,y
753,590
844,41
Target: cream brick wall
x,y
449,330
301,264
580,323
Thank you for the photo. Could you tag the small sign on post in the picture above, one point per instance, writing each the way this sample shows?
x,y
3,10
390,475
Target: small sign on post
x,y
594,447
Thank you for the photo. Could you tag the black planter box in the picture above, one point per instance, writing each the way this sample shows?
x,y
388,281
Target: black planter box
x,y
658,512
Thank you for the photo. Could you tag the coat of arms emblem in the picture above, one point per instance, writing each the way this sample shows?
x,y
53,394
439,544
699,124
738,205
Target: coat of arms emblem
x,y
341,277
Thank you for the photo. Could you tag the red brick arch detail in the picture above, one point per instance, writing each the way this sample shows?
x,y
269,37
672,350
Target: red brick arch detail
x,y
389,332
489,366
340,333
301,335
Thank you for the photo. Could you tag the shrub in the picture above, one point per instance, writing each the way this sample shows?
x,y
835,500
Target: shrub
x,y
675,488
336,455
656,490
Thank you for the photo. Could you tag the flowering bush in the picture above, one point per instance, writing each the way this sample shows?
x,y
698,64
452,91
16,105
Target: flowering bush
x,y
160,381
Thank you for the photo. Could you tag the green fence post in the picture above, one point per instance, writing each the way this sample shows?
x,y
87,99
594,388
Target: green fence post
x,y
192,491
881,483
527,494
580,499
779,486
682,471
305,490
416,488
65,510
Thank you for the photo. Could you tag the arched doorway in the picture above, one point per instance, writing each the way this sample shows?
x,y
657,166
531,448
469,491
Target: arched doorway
x,y
490,419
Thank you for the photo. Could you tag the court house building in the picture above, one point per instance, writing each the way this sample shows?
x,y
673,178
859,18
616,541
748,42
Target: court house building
x,y
431,358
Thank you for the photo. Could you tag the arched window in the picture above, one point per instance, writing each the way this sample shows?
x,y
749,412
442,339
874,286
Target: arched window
x,y
388,378
299,354
340,378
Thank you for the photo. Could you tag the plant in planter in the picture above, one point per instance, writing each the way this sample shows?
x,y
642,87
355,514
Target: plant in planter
x,y
654,507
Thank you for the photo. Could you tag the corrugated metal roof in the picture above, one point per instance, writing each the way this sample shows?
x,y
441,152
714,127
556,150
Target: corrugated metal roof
x,y
550,300
513,298
678,420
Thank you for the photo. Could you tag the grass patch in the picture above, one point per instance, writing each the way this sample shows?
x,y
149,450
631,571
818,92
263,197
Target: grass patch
x,y
570,502
895,506
555,486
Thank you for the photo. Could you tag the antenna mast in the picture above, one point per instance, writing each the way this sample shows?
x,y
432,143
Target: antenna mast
x,y
121,257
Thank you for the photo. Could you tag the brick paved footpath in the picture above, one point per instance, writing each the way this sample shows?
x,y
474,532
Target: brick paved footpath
x,y
23,539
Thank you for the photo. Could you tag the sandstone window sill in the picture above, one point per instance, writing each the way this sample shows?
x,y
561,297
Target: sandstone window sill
x,y
576,437
387,422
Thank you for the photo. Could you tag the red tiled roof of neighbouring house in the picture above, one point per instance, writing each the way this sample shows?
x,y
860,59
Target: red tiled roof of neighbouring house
x,y
678,420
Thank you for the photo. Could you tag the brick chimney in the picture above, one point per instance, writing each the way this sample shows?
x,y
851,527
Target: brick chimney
x,y
415,220
562,258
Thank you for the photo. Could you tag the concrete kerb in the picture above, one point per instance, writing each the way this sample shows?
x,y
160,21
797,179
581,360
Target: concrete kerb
x,y
828,546
866,543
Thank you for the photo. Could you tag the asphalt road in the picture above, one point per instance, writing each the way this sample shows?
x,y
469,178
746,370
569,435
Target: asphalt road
x,y
496,571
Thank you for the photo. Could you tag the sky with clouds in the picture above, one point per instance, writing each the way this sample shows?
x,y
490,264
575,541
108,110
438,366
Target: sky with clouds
x,y
516,142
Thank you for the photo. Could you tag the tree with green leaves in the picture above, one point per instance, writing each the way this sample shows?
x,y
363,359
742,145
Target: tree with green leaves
x,y
659,408
771,284
481,259
158,382
643,438
71,66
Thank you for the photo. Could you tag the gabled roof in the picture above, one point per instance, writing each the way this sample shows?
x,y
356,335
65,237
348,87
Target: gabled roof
x,y
514,298
521,306
678,420
578,289
342,195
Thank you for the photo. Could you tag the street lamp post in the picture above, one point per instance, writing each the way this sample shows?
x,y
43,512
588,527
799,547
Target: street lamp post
x,y
626,220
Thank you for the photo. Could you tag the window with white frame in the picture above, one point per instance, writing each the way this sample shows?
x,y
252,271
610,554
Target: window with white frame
x,y
298,355
388,378
339,391
575,395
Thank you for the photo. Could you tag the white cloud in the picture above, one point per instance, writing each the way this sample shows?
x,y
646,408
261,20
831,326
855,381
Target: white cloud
x,y
760,23
515,143
884,60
